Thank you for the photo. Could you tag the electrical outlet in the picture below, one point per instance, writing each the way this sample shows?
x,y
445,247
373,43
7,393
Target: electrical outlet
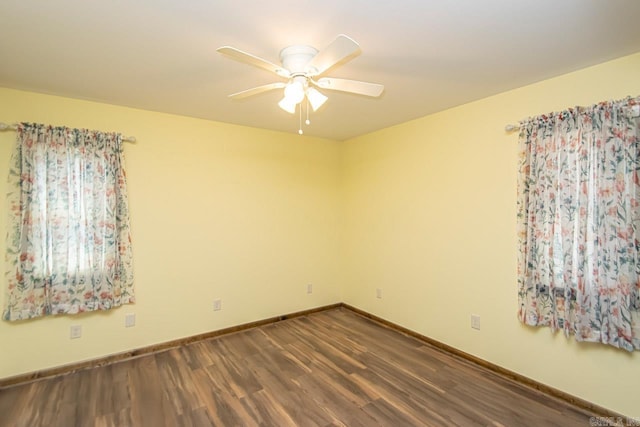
x,y
217,304
378,293
130,320
75,331
475,321
309,288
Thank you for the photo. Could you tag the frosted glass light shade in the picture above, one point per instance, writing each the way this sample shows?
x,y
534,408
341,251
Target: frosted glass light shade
x,y
287,105
316,99
294,92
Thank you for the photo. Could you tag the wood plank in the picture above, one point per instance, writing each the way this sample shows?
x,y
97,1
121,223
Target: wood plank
x,y
152,349
333,367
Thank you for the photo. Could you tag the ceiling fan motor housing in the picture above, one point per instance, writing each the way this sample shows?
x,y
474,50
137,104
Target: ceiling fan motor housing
x,y
295,58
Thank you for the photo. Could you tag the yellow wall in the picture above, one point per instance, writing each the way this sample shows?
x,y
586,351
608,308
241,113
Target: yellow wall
x,y
217,211
424,210
430,218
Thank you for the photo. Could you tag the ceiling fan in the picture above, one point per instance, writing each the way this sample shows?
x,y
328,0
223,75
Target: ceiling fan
x,y
301,66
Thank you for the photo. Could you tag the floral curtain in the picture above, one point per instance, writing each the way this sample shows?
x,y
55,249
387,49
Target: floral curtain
x,y
579,223
68,240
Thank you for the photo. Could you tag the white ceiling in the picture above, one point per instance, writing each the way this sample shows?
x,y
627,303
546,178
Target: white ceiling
x,y
161,55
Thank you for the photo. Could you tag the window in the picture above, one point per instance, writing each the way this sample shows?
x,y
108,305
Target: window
x,y
579,223
68,242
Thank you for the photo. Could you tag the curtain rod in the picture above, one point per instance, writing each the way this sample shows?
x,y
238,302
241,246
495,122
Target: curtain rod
x,y
14,126
635,112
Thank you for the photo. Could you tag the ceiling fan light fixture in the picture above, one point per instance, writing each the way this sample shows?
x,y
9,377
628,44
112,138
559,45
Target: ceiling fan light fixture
x,y
316,99
287,105
301,65
294,92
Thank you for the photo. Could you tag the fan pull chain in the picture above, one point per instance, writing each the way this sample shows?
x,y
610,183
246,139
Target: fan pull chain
x,y
307,122
300,121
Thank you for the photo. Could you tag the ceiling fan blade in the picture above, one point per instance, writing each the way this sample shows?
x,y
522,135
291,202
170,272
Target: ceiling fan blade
x,y
248,58
353,86
257,90
338,50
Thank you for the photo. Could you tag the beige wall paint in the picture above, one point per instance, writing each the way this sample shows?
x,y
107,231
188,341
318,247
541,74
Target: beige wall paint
x,y
430,218
424,210
217,211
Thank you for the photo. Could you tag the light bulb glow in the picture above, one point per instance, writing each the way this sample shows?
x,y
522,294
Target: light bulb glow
x,y
294,92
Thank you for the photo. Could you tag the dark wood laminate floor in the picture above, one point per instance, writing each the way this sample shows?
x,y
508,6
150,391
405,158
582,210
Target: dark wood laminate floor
x,y
329,368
